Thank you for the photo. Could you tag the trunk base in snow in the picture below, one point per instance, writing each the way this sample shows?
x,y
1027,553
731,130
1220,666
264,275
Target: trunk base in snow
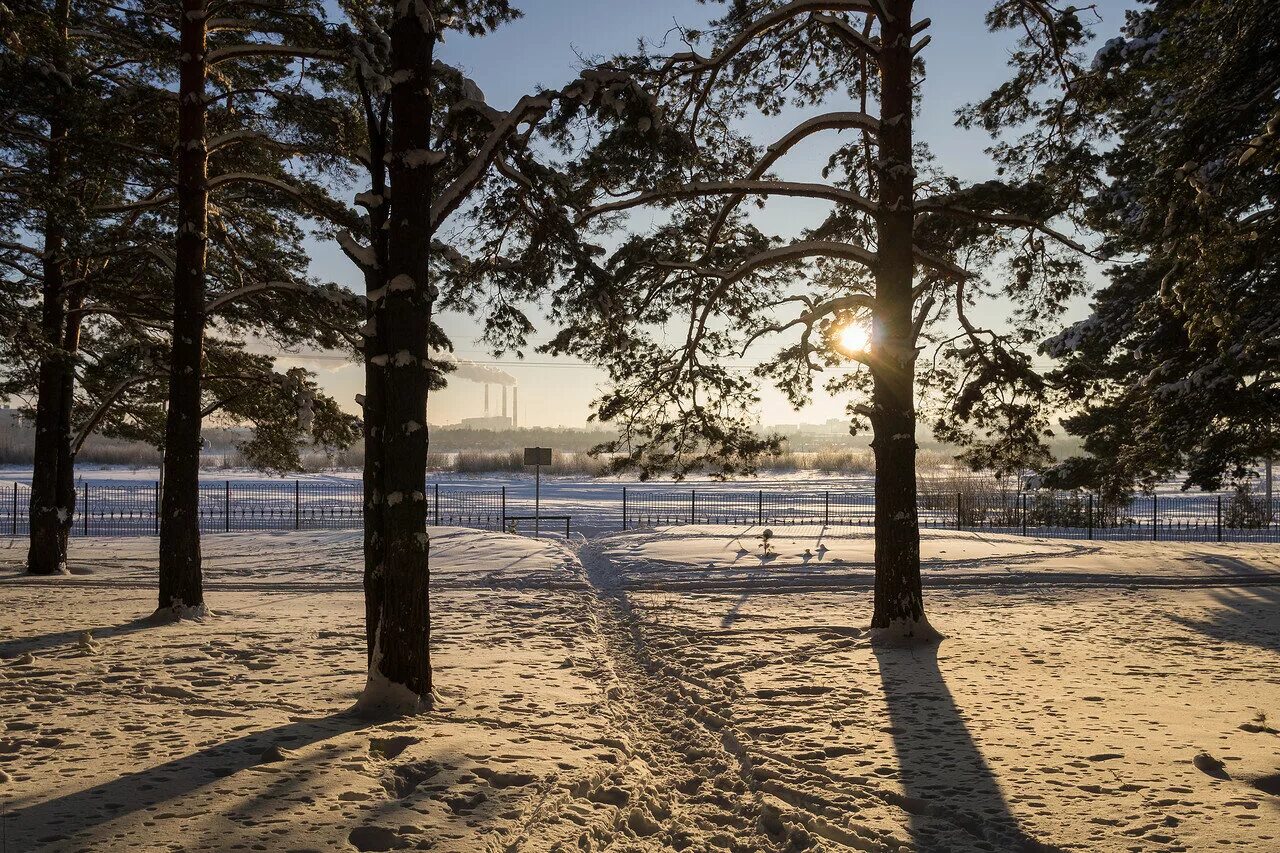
x,y
906,632
179,612
382,698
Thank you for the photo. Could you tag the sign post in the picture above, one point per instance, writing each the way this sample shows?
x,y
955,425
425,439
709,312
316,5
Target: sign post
x,y
537,457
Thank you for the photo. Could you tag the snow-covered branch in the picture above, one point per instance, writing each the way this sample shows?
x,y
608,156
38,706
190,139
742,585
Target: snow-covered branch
x,y
816,124
240,51
822,192
782,254
690,61
941,205
237,294
847,34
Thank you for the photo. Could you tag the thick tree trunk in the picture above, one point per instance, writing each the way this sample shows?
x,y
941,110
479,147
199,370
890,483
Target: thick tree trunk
x,y
400,666
374,393
181,587
46,554
66,457
899,602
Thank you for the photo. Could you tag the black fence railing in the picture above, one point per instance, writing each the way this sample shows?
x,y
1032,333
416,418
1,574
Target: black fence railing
x,y
132,509
1239,517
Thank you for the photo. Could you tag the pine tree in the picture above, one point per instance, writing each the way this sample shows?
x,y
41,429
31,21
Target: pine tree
x,y
906,250
1176,160
103,332
432,149
242,74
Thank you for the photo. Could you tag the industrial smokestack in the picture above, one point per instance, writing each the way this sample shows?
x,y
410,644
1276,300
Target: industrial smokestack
x,y
486,399
515,412
504,401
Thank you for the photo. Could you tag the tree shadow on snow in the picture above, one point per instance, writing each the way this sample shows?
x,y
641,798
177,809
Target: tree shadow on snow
x,y
950,788
44,642
81,812
1248,615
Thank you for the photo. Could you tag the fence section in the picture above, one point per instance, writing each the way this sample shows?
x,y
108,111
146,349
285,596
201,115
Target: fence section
x,y
1239,517
133,509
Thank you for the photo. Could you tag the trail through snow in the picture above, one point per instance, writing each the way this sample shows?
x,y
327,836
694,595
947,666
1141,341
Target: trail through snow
x,y
655,690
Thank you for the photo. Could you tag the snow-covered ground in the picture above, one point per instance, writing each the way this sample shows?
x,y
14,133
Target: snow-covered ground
x,y
670,689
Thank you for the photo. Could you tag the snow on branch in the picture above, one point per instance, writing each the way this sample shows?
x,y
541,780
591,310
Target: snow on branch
x,y
746,187
849,35
782,254
691,62
941,205
240,51
330,292
528,111
816,124
362,256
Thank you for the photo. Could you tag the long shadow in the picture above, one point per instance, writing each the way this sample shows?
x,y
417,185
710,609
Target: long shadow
x,y
49,822
950,788
1249,615
42,642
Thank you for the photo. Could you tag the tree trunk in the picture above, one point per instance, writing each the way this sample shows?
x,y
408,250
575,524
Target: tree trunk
x,y
899,602
67,398
374,376
46,554
400,666
180,581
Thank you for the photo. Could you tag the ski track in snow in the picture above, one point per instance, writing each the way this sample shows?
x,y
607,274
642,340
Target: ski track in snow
x,y
671,689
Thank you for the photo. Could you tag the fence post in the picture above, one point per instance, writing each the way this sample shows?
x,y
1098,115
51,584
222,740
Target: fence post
x,y
1091,515
437,505
15,509
624,508
85,509
504,509
1155,517
760,508
226,507
1219,518
693,505
959,516
826,509
297,506
156,514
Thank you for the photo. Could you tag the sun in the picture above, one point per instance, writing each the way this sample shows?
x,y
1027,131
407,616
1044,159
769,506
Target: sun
x,y
854,337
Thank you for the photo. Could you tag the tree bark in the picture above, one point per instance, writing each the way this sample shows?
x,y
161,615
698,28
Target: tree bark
x,y
181,586
67,398
400,666
899,601
46,554
374,393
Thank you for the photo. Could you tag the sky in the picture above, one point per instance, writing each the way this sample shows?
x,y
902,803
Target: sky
x,y
547,48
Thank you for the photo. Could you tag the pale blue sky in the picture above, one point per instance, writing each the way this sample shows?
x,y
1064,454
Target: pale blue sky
x,y
544,48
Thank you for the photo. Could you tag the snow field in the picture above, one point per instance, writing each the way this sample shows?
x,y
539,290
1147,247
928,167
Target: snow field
x,y
671,689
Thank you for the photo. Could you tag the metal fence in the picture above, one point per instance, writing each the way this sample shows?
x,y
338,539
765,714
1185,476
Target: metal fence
x,y
1238,517
132,509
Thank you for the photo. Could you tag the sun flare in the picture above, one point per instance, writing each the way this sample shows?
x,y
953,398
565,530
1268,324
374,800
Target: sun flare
x,y
855,337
